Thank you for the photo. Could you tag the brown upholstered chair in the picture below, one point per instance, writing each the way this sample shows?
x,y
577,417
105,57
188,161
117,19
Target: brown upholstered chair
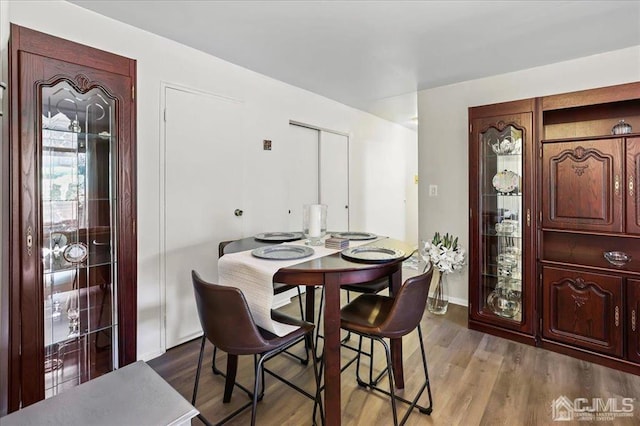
x,y
373,287
227,323
278,288
378,317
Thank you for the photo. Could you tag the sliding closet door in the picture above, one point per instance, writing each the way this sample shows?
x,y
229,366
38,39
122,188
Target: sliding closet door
x,y
320,165
302,150
334,179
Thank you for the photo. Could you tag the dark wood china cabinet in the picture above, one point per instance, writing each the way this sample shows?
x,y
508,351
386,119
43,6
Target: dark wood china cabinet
x,y
71,295
584,248
501,190
590,239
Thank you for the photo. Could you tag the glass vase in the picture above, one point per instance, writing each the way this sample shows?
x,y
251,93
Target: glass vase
x,y
314,223
438,300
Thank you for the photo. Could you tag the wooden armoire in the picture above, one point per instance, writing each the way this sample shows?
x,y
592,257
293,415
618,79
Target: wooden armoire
x,y
555,223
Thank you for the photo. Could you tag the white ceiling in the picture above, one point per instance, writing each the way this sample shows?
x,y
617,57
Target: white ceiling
x,y
375,55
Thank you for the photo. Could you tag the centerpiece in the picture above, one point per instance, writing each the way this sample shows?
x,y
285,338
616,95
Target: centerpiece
x,y
447,257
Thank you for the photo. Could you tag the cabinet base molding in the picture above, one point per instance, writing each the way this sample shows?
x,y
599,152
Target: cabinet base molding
x,y
527,339
594,357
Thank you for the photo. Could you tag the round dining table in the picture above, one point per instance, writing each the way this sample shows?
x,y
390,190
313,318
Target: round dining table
x,y
331,272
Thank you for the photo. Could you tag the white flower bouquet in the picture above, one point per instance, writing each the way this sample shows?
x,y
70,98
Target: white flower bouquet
x,y
444,253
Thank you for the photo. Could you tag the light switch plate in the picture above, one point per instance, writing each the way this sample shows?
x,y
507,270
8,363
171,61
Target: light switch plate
x,y
433,190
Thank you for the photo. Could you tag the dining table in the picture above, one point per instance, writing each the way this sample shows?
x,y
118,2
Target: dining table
x,y
331,272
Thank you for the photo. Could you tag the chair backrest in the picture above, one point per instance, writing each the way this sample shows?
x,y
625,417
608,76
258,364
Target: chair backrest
x,y
408,306
225,318
221,247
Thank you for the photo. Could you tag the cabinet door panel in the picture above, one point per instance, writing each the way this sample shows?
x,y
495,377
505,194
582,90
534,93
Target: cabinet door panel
x,y
632,185
633,310
583,185
583,309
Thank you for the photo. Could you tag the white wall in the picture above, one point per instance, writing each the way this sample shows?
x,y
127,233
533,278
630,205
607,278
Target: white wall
x,y
443,135
382,154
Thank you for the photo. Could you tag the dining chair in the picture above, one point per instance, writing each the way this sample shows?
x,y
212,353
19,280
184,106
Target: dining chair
x,y
379,317
227,323
373,287
278,288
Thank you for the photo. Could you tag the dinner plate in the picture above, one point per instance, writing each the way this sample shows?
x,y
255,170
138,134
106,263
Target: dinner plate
x,y
505,181
372,254
283,252
354,235
75,253
279,237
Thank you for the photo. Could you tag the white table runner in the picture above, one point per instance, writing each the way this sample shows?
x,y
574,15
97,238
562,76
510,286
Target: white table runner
x,y
254,277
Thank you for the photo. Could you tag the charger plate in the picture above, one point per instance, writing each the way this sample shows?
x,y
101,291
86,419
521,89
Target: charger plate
x,y
283,252
369,254
354,235
278,237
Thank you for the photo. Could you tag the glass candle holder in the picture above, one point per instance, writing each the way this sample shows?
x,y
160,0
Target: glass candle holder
x,y
314,223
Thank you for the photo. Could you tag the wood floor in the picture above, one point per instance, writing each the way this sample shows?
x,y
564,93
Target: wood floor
x,y
476,379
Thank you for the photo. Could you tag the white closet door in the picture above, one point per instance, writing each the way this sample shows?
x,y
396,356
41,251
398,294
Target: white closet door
x,y
334,179
203,176
302,151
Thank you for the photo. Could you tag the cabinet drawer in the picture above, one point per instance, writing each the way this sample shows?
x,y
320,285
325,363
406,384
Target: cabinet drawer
x,y
583,309
588,250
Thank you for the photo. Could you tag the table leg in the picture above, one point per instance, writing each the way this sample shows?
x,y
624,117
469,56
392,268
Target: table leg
x,y
396,344
332,348
232,368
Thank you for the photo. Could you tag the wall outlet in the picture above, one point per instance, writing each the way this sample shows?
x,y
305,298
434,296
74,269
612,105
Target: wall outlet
x,y
415,179
433,190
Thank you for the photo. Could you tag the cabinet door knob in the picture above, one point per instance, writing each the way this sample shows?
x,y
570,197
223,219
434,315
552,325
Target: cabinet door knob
x,y
633,320
616,185
617,316
631,179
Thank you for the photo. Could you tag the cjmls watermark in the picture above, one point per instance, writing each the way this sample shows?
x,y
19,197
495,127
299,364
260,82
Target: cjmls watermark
x,y
564,409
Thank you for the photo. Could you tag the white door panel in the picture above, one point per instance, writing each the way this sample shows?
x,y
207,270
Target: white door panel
x,y
302,149
203,149
334,179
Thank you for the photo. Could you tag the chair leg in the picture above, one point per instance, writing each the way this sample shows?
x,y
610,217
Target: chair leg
x,y
215,369
318,399
428,409
391,393
258,379
318,336
195,386
230,380
307,341
391,382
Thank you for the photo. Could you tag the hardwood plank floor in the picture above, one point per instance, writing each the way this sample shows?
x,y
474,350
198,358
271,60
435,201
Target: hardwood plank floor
x,y
476,379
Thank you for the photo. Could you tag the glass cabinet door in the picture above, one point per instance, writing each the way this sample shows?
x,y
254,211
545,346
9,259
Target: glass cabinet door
x,y
502,248
72,264
501,207
78,205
